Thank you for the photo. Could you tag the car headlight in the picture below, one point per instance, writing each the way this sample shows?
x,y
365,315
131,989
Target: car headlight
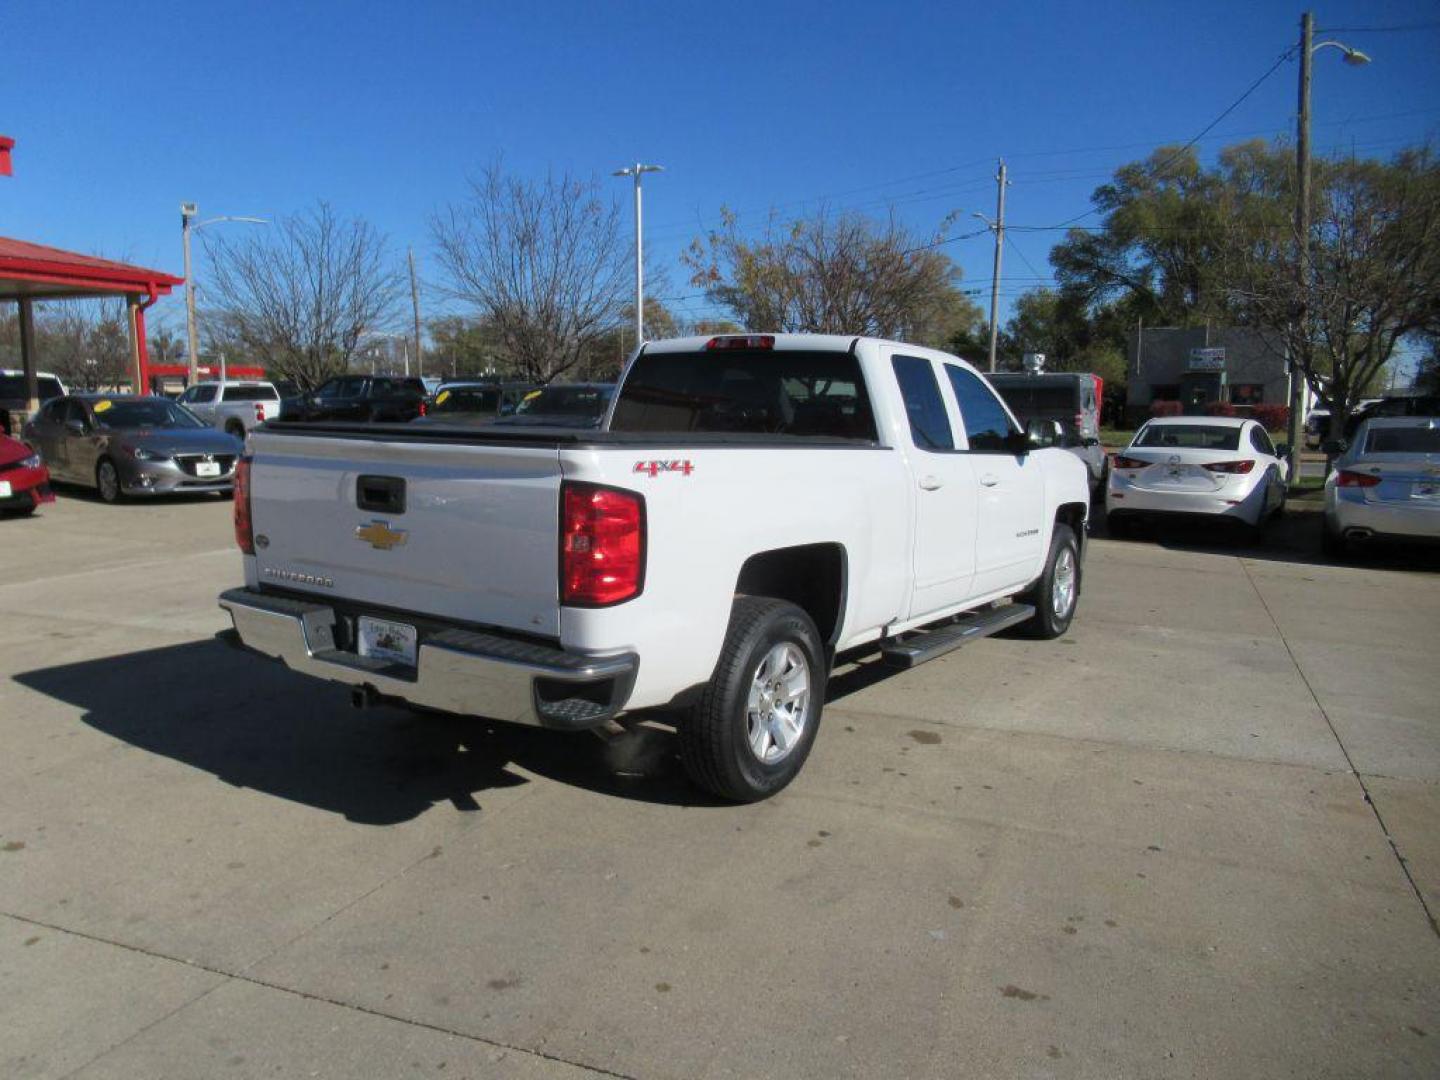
x,y
34,461
148,455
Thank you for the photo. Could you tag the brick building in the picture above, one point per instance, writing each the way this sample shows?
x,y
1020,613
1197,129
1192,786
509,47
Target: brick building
x,y
1202,365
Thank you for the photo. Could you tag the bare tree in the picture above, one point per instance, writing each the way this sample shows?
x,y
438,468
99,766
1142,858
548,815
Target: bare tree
x,y
300,295
841,275
541,262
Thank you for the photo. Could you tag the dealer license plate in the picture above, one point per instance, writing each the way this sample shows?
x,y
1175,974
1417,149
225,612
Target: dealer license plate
x,y
5,490
207,468
386,640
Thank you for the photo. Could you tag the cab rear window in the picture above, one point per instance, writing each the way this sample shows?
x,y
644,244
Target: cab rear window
x,y
764,392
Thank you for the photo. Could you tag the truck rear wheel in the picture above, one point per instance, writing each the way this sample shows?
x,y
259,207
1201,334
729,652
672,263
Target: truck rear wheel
x,y
752,729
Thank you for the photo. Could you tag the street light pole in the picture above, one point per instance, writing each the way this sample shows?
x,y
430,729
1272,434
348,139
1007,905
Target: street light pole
x,y
636,171
1300,364
188,213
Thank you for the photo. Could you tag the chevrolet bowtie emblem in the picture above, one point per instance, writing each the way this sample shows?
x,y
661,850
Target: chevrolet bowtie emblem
x,y
380,536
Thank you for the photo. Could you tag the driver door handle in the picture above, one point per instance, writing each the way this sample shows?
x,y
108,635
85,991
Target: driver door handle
x,y
989,479
931,483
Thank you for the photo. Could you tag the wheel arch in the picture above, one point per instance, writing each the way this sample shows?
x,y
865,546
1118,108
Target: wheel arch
x,y
813,577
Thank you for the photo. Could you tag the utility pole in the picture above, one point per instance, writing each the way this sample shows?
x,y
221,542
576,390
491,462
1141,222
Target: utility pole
x,y
1299,363
187,212
636,171
999,229
415,303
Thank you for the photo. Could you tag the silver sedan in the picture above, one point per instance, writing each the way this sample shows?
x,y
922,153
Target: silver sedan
x,y
132,446
1386,484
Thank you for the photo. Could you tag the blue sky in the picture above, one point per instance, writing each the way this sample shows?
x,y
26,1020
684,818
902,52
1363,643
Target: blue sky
x,y
382,109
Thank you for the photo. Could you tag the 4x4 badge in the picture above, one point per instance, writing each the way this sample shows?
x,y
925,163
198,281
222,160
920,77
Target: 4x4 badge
x,y
380,536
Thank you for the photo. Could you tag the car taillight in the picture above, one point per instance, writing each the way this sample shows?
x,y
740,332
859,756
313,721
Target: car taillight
x,y
1238,468
244,530
602,545
259,411
742,341
424,408
1345,478
1123,462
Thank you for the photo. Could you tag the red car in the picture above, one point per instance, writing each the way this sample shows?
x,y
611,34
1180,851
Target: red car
x,y
24,480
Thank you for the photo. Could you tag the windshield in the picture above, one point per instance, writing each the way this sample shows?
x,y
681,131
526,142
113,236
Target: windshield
x,y
1403,440
776,392
467,399
1189,436
142,413
1032,400
13,386
587,401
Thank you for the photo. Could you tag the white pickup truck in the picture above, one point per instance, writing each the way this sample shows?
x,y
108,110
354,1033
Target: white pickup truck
x,y
753,506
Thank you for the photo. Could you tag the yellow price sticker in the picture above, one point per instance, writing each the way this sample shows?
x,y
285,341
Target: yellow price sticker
x,y
102,406
531,394
442,397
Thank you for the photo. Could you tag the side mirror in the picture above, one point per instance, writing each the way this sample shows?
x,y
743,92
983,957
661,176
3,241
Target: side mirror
x,y
76,427
1334,447
1042,433
1282,450
1090,440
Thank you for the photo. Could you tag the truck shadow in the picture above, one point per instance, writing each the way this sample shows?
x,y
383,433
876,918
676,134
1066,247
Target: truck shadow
x,y
257,725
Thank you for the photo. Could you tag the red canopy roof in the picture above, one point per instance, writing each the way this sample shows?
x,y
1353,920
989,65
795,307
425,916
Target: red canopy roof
x,y
35,270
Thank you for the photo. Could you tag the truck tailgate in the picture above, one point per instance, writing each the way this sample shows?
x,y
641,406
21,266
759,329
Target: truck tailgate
x,y
477,539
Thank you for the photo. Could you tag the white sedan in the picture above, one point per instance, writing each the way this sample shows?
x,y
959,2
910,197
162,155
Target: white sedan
x,y
1210,466
1386,484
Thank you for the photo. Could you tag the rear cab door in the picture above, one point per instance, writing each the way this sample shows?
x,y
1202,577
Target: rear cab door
x,y
943,490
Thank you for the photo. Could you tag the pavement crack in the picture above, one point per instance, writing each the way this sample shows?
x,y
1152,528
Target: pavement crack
x,y
242,976
1349,761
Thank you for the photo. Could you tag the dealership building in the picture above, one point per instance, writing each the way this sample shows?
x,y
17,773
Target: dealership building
x,y
1202,365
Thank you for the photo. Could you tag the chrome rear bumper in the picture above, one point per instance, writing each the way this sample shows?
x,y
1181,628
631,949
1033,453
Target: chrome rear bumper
x,y
458,671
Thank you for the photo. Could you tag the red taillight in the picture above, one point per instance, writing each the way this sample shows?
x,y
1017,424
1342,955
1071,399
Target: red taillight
x,y
602,545
244,531
424,408
1123,462
259,411
1345,478
1238,468
742,341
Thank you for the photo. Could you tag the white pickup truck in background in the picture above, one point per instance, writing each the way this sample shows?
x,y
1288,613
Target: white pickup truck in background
x,y
753,506
233,407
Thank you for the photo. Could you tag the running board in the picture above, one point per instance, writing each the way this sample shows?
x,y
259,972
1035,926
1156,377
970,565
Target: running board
x,y
924,645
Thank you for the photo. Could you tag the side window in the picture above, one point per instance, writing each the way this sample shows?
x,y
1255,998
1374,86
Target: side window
x,y
75,411
987,424
929,426
187,397
205,394
1261,441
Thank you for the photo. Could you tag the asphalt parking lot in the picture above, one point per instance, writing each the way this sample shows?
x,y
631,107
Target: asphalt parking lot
x,y
1195,838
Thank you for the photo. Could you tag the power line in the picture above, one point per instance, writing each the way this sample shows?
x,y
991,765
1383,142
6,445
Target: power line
x,y
1284,56
1404,28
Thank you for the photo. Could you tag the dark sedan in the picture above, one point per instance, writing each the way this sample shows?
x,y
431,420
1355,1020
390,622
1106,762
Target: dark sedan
x,y
362,398
123,445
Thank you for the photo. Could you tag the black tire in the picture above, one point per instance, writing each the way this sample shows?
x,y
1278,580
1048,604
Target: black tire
x,y
109,493
1047,622
716,736
235,428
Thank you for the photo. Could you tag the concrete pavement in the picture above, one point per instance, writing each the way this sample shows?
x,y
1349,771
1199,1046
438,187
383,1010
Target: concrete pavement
x,y
1195,837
